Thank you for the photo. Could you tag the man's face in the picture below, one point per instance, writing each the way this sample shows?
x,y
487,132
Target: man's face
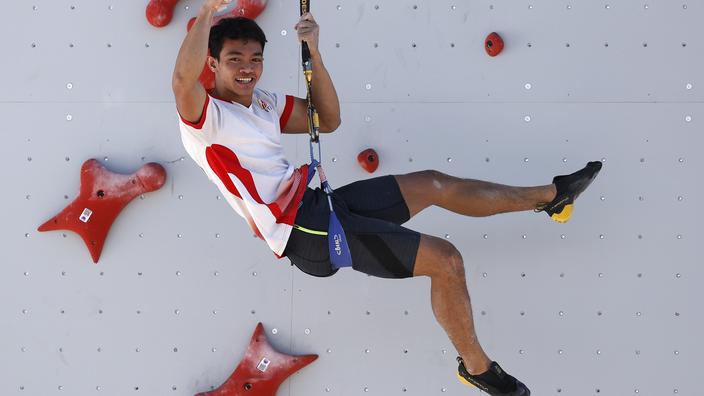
x,y
240,66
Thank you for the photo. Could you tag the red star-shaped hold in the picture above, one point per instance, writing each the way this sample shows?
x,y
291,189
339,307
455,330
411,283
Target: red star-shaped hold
x,y
102,196
262,369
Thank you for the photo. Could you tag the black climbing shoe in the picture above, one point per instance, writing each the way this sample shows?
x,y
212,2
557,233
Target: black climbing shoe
x,y
568,189
495,381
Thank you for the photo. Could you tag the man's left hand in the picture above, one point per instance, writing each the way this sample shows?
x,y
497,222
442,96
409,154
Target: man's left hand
x,y
308,31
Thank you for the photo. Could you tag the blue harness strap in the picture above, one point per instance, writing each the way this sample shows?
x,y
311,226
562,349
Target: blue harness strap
x,y
311,170
340,255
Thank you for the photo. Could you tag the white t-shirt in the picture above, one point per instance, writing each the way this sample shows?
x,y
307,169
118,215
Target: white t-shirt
x,y
239,149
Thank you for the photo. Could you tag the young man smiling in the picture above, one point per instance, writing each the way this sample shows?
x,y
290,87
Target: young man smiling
x,y
233,133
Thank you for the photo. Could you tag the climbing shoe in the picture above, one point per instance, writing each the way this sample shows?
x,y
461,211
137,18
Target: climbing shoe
x,y
494,381
568,189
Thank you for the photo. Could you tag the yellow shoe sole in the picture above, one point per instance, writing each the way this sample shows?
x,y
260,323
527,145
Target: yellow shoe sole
x,y
563,216
464,381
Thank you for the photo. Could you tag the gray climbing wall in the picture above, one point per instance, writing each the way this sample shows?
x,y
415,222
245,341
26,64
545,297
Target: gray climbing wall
x,y
603,305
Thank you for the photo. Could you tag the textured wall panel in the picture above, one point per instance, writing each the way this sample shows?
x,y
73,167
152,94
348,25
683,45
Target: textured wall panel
x,y
603,305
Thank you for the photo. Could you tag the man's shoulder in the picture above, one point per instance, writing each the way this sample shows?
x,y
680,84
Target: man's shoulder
x,y
264,93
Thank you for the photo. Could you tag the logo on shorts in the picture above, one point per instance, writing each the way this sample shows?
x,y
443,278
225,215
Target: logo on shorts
x,y
264,105
338,244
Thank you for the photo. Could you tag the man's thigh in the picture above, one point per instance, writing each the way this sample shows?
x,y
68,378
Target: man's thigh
x,y
437,257
378,197
381,248
421,189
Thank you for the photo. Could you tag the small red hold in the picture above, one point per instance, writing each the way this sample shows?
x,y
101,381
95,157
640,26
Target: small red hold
x,y
262,370
160,12
103,194
244,8
369,160
493,44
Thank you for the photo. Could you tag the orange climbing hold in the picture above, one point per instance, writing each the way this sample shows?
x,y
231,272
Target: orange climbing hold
x,y
244,8
262,370
103,194
493,44
160,12
368,160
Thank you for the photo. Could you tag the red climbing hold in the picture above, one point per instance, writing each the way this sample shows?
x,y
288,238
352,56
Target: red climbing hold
x,y
103,194
493,44
369,160
262,370
245,8
160,12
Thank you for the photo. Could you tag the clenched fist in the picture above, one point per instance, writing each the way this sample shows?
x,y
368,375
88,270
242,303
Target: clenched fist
x,y
308,31
216,5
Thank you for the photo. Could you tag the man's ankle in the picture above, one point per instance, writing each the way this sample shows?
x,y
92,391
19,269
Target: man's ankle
x,y
478,368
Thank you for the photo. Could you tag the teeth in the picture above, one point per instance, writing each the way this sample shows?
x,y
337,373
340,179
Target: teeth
x,y
244,80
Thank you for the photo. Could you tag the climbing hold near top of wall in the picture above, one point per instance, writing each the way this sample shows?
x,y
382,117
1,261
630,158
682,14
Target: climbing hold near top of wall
x,y
262,370
244,8
493,44
160,12
103,194
368,160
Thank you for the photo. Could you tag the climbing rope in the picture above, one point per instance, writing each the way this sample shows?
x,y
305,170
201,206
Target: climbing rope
x,y
340,255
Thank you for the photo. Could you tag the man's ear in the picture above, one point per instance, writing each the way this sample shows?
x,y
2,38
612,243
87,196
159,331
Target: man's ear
x,y
212,63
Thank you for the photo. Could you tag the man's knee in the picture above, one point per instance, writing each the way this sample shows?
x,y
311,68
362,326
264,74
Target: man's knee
x,y
422,189
440,258
453,258
435,178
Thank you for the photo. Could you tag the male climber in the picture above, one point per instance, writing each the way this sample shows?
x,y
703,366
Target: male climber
x,y
234,134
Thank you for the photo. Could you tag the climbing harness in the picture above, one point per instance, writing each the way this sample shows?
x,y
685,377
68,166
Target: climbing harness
x,y
337,242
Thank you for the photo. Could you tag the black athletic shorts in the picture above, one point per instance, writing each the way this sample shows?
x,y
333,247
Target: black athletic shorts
x,y
371,213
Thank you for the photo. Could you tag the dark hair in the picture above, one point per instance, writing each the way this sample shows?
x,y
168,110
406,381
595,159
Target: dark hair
x,y
238,28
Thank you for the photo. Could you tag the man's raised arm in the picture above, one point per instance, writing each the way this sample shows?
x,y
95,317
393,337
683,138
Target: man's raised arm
x,y
190,94
324,95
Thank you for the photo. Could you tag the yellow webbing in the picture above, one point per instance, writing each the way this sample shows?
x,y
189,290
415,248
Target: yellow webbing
x,y
309,231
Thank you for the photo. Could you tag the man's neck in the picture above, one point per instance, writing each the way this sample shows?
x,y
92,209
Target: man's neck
x,y
229,96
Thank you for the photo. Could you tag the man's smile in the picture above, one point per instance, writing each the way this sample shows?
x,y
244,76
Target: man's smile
x,y
245,81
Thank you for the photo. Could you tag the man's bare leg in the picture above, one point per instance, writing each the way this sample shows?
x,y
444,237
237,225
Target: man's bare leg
x,y
441,261
467,196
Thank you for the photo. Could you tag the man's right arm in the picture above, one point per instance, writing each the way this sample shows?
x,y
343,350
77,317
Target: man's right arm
x,y
190,94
